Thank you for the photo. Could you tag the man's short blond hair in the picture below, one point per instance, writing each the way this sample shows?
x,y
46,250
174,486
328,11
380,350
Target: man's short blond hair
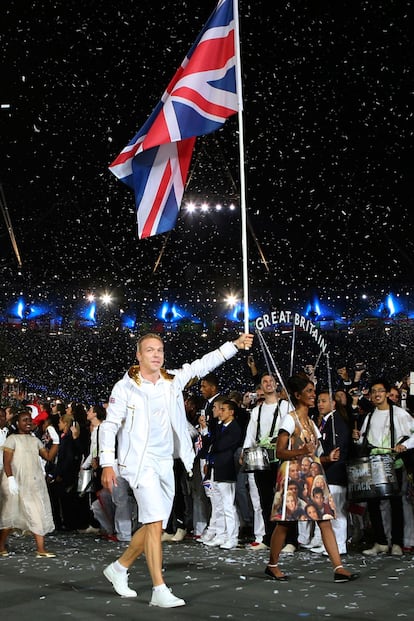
x,y
149,335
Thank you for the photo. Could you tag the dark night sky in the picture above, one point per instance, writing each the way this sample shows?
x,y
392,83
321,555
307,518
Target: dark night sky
x,y
328,132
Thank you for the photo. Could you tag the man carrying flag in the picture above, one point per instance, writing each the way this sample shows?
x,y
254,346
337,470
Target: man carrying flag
x,y
198,100
146,418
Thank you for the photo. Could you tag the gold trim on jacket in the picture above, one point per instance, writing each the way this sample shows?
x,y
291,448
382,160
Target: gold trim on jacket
x,y
133,373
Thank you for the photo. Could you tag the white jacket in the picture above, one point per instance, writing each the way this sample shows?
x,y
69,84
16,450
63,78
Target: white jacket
x,y
128,415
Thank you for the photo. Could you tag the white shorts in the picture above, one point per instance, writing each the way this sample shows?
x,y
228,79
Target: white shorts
x,y
155,491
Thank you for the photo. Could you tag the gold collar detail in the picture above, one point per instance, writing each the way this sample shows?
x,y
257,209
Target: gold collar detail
x,y
133,373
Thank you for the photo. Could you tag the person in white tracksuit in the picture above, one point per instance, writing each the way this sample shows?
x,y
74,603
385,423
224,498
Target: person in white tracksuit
x,y
146,416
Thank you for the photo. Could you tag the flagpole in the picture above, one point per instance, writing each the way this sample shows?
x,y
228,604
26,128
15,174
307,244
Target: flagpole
x,y
243,210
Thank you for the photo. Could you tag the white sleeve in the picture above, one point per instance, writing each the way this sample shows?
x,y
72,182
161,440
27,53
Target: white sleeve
x,y
405,423
250,437
409,443
115,414
53,434
287,424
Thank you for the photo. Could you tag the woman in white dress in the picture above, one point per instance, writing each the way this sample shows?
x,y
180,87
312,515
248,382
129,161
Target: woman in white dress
x,y
25,499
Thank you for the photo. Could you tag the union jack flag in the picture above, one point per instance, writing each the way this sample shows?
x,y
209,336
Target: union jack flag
x,y
198,100
198,444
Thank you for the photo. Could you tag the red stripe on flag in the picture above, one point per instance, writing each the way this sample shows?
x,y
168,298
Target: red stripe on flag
x,y
157,203
211,54
194,97
126,154
158,133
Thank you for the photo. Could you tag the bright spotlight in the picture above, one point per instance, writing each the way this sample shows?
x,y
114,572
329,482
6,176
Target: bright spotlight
x,y
218,207
90,297
231,299
106,298
190,207
204,207
232,207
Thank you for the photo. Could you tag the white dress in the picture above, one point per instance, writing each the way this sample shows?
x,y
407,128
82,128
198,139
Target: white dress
x,y
30,509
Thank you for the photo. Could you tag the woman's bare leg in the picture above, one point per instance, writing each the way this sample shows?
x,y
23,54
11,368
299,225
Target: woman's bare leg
x,y
329,541
276,544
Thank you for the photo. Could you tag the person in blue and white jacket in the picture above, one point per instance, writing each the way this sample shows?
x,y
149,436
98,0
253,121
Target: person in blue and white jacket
x,y
146,417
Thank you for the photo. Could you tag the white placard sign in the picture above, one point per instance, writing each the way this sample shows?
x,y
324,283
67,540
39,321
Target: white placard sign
x,y
275,318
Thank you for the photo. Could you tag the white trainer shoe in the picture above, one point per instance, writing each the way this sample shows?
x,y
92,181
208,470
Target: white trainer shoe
x,y
179,535
289,549
256,546
229,545
396,550
318,549
206,537
377,548
164,598
119,581
214,542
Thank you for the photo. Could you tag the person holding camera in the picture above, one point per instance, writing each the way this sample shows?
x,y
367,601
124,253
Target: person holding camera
x,y
348,379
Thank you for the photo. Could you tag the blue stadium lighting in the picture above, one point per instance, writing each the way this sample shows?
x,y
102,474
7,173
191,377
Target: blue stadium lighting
x,y
163,312
389,308
37,311
236,312
171,313
24,311
91,312
128,322
20,309
88,313
176,313
392,305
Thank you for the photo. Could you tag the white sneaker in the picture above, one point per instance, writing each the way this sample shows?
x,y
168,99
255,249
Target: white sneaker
x,y
179,535
91,530
318,550
396,550
165,599
206,537
214,542
229,545
167,537
289,549
377,548
119,581
256,545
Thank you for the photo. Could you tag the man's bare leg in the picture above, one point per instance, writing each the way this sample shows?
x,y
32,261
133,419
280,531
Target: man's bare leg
x,y
153,552
134,549
147,539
